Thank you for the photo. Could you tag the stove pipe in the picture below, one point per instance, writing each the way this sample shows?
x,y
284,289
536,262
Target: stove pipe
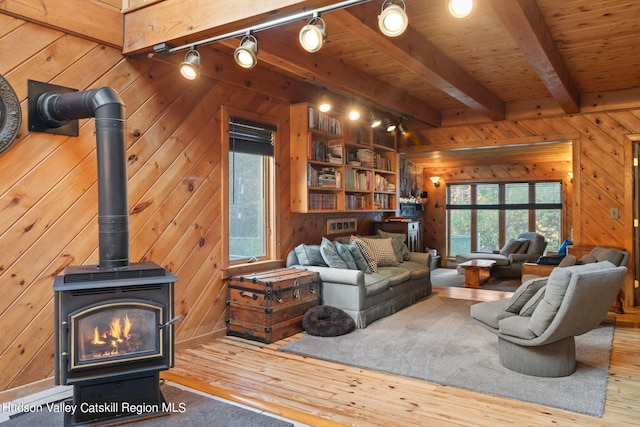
x,y
113,216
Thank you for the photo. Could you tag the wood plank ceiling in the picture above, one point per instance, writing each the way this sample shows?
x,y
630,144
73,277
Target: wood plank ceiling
x,y
506,52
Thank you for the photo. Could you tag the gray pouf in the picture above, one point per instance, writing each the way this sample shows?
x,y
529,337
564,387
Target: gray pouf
x,y
327,321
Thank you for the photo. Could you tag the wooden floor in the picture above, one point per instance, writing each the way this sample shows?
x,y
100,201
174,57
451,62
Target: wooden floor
x,y
323,393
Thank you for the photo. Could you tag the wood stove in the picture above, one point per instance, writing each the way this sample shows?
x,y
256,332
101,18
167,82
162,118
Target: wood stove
x,y
113,321
113,335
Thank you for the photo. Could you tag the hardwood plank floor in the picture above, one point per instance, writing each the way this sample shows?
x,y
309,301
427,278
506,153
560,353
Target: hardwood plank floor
x,y
323,393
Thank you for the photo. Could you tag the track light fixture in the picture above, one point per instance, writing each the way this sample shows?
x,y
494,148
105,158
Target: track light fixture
x,y
375,120
389,125
324,102
190,67
354,113
460,8
402,128
246,55
313,35
393,19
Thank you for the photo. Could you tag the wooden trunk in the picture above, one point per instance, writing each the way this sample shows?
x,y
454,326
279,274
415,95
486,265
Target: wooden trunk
x,y
269,306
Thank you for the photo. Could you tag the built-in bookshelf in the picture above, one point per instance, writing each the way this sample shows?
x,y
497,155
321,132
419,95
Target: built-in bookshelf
x,y
337,165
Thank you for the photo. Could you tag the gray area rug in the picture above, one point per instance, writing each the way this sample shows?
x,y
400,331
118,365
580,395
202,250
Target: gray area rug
x,y
451,277
198,410
436,340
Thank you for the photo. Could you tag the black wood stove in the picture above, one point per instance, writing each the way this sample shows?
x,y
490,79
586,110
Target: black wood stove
x,y
113,321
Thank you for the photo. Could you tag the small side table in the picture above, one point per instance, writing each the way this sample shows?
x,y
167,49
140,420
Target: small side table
x,y
476,271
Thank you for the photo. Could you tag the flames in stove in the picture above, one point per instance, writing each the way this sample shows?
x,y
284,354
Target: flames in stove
x,y
115,338
117,331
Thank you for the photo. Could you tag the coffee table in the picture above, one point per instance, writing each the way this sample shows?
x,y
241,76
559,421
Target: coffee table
x,y
476,271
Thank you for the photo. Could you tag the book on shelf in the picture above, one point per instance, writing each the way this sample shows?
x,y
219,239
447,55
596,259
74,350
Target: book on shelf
x,y
398,219
323,201
324,122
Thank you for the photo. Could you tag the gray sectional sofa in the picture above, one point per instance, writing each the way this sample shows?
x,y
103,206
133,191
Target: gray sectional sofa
x,y
366,296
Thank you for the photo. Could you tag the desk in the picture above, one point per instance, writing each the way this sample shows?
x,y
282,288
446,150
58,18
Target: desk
x,y
476,271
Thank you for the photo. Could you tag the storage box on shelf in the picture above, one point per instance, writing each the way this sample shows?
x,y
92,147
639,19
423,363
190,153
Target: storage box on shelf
x,y
340,166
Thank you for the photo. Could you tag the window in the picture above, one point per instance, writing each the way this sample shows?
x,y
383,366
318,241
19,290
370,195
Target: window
x,y
251,183
482,217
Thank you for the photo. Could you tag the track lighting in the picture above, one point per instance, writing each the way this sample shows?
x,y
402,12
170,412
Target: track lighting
x,y
402,128
246,55
389,125
190,67
393,19
460,8
313,35
375,120
324,101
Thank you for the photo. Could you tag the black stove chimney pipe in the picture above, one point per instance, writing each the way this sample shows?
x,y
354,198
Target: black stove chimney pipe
x,y
113,215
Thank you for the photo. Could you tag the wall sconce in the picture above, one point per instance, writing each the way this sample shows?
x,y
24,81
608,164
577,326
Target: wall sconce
x,y
570,177
460,8
393,19
313,35
436,181
190,67
246,55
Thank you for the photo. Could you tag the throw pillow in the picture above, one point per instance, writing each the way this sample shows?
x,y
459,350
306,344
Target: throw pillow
x,y
399,244
568,260
346,256
330,254
382,250
614,256
367,253
524,247
563,246
309,255
533,302
524,293
358,258
511,247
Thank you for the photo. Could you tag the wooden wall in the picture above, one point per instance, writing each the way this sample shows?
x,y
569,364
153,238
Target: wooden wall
x,y
48,196
602,167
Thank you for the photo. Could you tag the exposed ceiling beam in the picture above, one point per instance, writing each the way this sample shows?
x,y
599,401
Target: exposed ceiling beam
x,y
421,57
185,21
281,49
524,20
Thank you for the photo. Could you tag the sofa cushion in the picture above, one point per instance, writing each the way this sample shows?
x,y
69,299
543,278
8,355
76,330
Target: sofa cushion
x,y
524,293
358,257
511,247
345,254
399,244
367,253
568,260
382,250
330,254
417,270
491,312
524,247
533,302
516,326
614,256
384,278
556,288
309,255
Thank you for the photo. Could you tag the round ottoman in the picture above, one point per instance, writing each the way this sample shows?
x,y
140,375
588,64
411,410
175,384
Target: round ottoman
x,y
327,321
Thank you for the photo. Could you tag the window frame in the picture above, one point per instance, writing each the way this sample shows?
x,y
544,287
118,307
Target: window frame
x,y
270,208
501,207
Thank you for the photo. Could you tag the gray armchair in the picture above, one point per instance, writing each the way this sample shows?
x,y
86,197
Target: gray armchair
x,y
528,247
537,325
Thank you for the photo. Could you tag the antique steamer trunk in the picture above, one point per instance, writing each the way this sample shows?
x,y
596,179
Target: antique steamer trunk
x,y
269,306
